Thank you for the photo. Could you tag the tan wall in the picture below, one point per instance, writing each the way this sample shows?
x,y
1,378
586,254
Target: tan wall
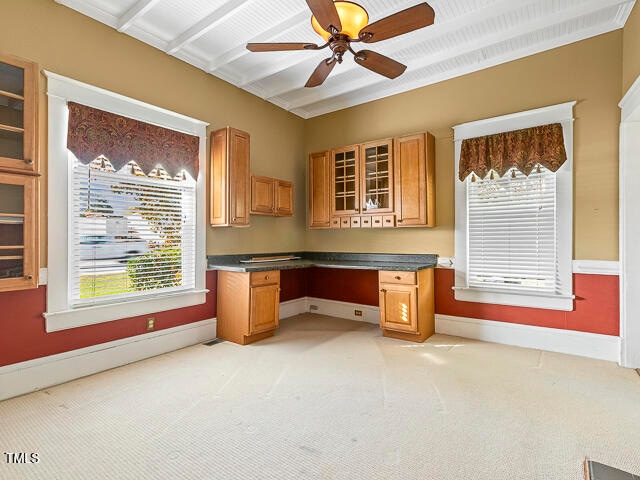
x,y
68,43
588,71
631,49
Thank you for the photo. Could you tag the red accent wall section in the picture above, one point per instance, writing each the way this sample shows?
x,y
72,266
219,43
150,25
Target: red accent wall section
x,y
596,307
22,328
345,285
293,283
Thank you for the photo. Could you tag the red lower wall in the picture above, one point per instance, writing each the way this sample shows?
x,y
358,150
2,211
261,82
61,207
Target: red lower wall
x,y
23,336
596,308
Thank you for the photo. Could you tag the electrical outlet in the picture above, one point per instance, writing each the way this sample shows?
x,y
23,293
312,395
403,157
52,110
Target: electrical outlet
x,y
151,323
313,307
357,313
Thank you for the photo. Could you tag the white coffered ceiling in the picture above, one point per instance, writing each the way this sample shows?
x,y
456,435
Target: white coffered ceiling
x,y
467,35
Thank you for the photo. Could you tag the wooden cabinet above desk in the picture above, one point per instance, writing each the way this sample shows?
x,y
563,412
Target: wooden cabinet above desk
x,y
385,183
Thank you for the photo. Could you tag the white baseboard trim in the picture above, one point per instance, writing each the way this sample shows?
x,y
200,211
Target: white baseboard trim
x,y
25,377
593,345
332,308
291,308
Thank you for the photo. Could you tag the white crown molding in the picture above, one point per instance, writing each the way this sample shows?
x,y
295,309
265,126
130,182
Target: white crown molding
x,y
25,377
592,345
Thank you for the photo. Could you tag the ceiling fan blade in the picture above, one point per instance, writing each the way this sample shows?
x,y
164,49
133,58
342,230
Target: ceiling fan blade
x,y
325,13
276,47
380,64
406,21
321,72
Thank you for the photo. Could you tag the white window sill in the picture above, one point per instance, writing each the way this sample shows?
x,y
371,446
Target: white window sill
x,y
515,299
82,316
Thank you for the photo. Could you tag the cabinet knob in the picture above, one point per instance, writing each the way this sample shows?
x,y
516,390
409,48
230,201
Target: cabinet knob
x,y
266,277
233,220
28,277
397,277
399,220
383,290
28,160
364,209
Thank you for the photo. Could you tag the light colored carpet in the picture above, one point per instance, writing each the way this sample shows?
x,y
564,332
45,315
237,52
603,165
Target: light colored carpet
x,y
328,398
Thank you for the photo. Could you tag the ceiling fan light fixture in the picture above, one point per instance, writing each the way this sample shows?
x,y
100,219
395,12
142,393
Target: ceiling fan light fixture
x,y
352,16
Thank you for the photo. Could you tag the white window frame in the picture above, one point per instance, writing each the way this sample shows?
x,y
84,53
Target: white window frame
x,y
60,315
562,299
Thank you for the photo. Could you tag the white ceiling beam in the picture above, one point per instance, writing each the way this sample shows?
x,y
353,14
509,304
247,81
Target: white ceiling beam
x,y
130,16
206,24
392,88
475,45
240,50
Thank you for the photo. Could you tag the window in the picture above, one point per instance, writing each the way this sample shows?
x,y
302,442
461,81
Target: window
x,y
135,234
513,242
123,240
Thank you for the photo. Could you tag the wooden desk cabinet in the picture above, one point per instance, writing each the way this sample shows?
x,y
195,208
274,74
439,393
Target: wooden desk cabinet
x,y
248,305
407,304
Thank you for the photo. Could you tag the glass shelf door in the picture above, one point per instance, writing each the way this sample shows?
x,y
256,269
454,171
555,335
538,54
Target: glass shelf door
x,y
377,177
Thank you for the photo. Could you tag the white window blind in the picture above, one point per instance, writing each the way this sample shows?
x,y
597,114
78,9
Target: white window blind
x,y
131,235
512,232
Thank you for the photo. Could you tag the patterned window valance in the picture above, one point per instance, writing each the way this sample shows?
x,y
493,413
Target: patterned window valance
x,y
522,149
94,132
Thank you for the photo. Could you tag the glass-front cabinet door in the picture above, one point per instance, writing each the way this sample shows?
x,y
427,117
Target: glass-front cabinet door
x,y
377,176
345,189
18,255
18,94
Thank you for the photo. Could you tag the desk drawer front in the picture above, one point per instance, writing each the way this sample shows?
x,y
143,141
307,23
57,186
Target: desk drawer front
x,y
265,278
405,278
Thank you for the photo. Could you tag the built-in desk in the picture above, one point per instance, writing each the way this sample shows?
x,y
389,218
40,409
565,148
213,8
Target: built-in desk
x,y
248,294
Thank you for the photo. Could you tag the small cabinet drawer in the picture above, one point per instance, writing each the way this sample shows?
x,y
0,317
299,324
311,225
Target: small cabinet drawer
x,y
389,276
345,222
335,222
265,278
365,222
388,221
355,222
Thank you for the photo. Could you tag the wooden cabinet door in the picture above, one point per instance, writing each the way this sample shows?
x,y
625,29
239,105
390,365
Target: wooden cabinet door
x,y
230,183
345,181
264,310
18,232
18,115
239,177
284,198
263,195
376,177
414,180
319,190
398,307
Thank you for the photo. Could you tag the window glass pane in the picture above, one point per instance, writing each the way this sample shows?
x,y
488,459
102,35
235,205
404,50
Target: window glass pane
x,y
11,230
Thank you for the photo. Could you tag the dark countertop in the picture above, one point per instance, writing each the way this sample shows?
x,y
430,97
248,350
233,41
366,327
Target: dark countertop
x,y
362,261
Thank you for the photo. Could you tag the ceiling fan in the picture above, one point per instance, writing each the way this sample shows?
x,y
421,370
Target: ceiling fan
x,y
341,23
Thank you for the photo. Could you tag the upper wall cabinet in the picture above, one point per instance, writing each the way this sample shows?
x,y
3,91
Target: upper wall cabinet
x,y
230,178
320,190
385,183
415,180
271,196
18,115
